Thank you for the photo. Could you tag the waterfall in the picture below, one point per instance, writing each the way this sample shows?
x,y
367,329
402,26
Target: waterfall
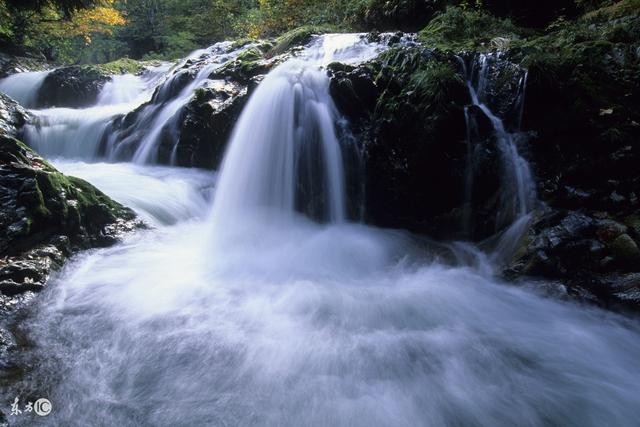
x,y
299,322
162,112
23,87
284,155
76,133
517,193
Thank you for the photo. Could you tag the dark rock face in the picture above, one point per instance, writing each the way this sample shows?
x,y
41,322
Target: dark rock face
x,y
45,215
406,108
583,109
580,116
73,87
206,123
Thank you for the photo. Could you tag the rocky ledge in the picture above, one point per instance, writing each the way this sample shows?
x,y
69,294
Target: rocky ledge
x,y
579,132
46,216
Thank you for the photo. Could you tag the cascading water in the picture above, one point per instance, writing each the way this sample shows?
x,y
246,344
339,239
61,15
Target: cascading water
x,y
284,154
161,114
76,133
295,322
517,189
23,87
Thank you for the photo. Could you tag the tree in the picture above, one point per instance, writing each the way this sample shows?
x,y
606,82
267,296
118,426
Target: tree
x,y
39,24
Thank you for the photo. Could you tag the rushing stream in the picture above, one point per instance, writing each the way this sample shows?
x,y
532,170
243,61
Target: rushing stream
x,y
237,308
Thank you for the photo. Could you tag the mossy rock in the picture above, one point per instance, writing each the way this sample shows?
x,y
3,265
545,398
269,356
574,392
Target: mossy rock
x,y
121,66
39,202
406,108
457,30
297,37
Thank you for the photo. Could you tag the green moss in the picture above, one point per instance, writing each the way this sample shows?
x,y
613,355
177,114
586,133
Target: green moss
x,y
457,29
434,86
252,54
120,66
299,36
613,11
237,44
87,196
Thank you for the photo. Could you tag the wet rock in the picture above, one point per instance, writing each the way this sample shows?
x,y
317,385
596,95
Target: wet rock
x,y
12,116
45,216
595,258
353,89
73,87
206,124
11,64
407,109
197,133
625,248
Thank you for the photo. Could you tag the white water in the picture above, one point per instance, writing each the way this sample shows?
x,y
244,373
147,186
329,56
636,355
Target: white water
x,y
156,117
291,322
518,192
23,87
146,152
160,195
301,324
77,133
284,148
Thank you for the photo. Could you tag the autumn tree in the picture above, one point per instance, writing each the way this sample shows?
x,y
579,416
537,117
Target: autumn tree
x,y
38,23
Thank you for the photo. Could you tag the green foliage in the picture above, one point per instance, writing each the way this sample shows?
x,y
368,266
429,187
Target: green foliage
x,y
168,29
434,82
122,66
458,29
435,85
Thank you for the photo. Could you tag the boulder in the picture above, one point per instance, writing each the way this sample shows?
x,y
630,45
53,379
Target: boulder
x,y
73,87
595,258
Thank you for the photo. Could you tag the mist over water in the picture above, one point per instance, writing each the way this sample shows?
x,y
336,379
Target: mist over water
x,y
244,306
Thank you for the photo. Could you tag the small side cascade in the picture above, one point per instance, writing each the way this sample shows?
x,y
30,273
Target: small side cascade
x,y
170,97
77,133
500,110
24,87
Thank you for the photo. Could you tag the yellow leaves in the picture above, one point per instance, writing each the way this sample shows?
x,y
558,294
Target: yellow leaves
x,y
100,19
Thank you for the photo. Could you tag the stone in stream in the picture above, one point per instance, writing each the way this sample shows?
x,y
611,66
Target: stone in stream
x,y
72,87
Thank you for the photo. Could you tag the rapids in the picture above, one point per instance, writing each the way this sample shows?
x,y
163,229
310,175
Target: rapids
x,y
238,308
